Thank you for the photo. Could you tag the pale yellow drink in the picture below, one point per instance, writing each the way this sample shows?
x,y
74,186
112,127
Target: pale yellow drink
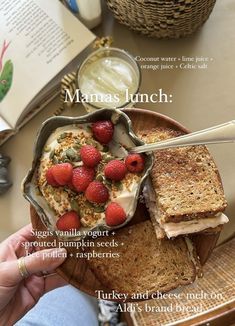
x,y
107,81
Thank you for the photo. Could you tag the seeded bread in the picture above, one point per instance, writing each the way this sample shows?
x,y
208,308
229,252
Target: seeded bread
x,y
186,180
145,263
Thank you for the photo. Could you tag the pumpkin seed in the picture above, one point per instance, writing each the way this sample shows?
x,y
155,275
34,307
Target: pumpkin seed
x,y
77,158
108,183
109,186
77,147
55,160
52,153
88,204
118,185
63,135
47,149
74,206
70,153
91,142
107,158
99,209
99,177
63,156
88,128
57,198
99,146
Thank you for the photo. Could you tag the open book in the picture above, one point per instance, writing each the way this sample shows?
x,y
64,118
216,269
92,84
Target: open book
x,y
39,42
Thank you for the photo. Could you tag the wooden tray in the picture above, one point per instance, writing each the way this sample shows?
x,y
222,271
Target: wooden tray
x,y
76,271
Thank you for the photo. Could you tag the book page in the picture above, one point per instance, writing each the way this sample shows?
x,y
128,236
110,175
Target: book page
x,y
37,40
4,125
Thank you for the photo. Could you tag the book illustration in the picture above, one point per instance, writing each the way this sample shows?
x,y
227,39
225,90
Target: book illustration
x,y
59,46
6,72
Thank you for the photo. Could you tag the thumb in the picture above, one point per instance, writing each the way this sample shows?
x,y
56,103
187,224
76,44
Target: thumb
x,y
39,261
45,260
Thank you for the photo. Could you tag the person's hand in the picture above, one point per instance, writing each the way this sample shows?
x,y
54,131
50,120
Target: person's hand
x,y
19,294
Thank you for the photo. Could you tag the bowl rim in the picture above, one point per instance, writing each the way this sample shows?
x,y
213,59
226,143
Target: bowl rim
x,y
38,148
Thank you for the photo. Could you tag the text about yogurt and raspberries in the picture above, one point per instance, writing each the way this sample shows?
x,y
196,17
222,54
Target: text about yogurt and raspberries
x,y
180,63
87,247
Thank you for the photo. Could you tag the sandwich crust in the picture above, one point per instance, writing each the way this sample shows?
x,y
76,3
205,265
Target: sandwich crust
x,y
186,180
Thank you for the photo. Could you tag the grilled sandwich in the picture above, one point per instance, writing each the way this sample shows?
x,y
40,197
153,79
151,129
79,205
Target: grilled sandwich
x,y
144,264
184,193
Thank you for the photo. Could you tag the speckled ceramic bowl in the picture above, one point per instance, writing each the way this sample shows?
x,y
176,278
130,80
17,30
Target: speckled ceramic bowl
x,y
29,185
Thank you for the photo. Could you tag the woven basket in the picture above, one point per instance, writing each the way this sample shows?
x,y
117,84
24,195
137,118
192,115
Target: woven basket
x,y
162,18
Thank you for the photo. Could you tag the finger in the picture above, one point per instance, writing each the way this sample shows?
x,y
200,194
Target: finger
x,y
13,251
54,281
36,286
13,246
44,260
25,234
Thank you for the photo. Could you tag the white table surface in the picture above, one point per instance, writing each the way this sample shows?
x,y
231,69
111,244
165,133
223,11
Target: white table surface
x,y
200,99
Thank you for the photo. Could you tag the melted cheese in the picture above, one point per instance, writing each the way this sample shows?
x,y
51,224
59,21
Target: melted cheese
x,y
184,227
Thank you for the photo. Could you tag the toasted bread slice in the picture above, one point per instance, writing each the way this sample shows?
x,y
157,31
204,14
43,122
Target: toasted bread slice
x,y
209,225
185,182
144,263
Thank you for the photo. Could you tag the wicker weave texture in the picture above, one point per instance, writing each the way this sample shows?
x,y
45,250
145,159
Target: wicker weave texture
x,y
162,18
219,278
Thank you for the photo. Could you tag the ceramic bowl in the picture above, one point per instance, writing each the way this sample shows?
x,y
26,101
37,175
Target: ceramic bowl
x,y
29,185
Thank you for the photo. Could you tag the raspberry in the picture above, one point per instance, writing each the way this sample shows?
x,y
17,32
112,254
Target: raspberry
x,y
62,173
68,221
114,214
103,131
90,155
115,170
135,163
50,179
97,193
81,178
